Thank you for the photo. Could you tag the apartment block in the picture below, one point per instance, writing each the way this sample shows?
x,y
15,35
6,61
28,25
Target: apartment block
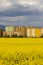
x,y
9,28
28,31
23,30
20,30
33,32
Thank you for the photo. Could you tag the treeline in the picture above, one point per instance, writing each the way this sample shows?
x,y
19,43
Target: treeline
x,y
16,36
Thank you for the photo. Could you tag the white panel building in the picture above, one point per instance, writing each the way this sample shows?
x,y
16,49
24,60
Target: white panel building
x,y
9,28
33,32
28,32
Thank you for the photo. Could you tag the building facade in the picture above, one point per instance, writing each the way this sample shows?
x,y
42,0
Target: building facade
x,y
23,31
9,28
33,32
28,32
17,30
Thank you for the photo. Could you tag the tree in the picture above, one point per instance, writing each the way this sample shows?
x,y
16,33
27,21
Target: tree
x,y
20,36
14,35
1,33
42,36
8,36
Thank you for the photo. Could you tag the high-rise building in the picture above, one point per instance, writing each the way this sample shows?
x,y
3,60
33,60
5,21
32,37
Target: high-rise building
x,y
33,32
21,30
28,31
9,28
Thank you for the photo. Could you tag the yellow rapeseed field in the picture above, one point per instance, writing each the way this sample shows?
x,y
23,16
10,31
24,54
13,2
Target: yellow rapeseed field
x,y
21,51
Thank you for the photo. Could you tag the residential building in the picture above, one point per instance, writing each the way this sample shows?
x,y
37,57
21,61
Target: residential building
x,y
33,32
9,28
21,30
28,31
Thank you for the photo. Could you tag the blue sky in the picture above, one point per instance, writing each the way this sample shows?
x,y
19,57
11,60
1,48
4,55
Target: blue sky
x,y
21,12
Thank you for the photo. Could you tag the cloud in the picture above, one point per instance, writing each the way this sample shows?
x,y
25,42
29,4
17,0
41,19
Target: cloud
x,y
24,5
21,12
4,4
20,7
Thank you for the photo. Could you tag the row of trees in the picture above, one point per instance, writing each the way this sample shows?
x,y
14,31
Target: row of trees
x,y
14,36
1,33
8,36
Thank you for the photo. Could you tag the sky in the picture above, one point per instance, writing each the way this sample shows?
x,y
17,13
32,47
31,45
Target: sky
x,y
21,12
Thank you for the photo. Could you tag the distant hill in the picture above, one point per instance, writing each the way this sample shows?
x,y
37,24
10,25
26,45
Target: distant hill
x,y
2,27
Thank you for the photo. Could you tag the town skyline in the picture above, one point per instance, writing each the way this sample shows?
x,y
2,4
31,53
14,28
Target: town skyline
x,y
21,31
3,26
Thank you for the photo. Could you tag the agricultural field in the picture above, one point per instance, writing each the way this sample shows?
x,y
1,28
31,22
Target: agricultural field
x,y
21,51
